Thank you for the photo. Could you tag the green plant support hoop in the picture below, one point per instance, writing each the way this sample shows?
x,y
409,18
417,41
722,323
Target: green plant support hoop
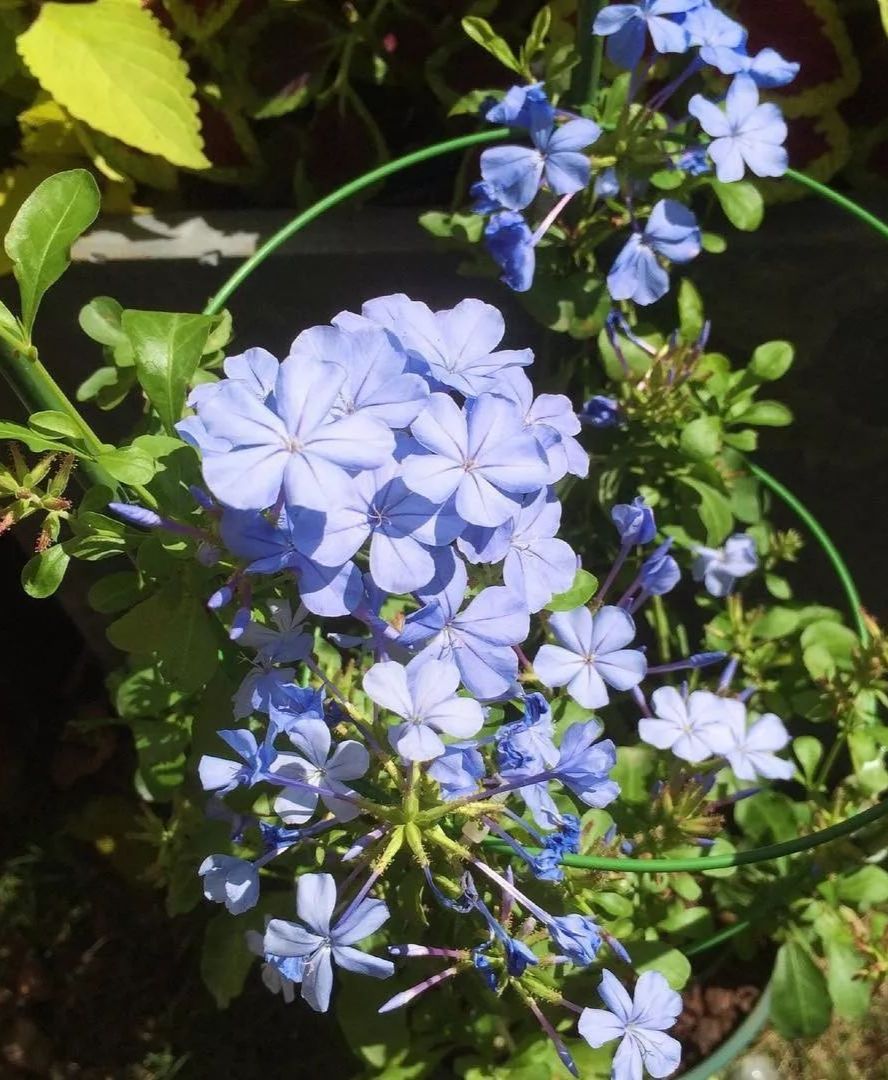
x,y
591,862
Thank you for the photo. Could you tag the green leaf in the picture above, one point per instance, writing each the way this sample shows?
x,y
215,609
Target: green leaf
x,y
225,959
96,536
767,414
777,622
161,746
100,320
742,203
713,243
867,758
189,652
851,996
480,31
701,439
144,628
656,956
56,423
582,590
714,509
809,752
539,31
114,593
43,574
168,348
865,887
800,1002
772,360
766,817
128,464
46,225
690,310
112,65
31,439
778,586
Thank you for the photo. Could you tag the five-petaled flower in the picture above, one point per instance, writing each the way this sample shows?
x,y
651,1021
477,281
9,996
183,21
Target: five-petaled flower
x,y
637,274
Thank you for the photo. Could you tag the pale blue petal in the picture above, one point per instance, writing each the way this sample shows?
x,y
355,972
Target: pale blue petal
x,y
363,921
513,174
362,963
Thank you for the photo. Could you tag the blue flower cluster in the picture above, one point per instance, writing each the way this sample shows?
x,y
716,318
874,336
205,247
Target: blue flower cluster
x,y
745,134
396,469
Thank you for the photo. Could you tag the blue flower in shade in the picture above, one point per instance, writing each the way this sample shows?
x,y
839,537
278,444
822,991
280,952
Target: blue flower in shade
x,y
377,383
318,944
694,161
480,455
230,881
607,184
223,775
484,201
514,173
515,108
659,572
751,749
273,977
292,444
526,746
424,695
720,568
315,767
479,639
456,348
640,1024
601,411
693,727
767,68
591,655
672,233
577,937
584,764
283,639
634,521
508,238
458,770
628,25
745,135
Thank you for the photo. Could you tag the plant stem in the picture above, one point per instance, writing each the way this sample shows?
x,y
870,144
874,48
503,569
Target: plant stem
x,y
587,74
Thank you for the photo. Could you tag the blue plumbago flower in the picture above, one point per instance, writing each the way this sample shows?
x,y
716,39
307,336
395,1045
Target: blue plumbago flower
x,y
456,348
601,411
712,31
458,771
745,135
578,937
627,26
671,232
639,1023
607,184
273,977
256,370
484,201
478,639
634,522
585,767
318,944
281,641
537,565
551,419
719,568
693,727
257,449
591,655
659,572
223,775
515,108
694,161
508,238
514,173
751,750
525,750
262,689
230,881
767,69
424,695
316,773
481,455
377,383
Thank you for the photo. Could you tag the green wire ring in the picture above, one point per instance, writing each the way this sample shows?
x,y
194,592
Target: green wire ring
x,y
595,862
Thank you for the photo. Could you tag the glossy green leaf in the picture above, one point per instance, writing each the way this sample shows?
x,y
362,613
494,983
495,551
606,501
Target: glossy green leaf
x,y
809,751
657,956
167,348
42,232
480,31
772,360
700,440
766,414
43,573
128,464
742,203
846,968
582,590
714,509
32,439
800,1002
865,887
100,320
56,424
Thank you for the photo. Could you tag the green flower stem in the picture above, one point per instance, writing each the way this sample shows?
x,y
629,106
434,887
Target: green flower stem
x,y
587,74
719,862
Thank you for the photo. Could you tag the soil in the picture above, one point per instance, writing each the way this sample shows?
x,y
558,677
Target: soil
x,y
714,1008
